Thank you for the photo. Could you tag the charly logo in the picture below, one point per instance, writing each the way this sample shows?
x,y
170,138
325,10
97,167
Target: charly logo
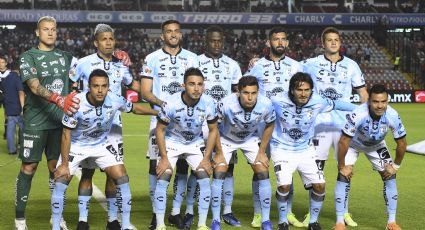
x,y
56,86
217,92
295,133
274,92
172,88
330,93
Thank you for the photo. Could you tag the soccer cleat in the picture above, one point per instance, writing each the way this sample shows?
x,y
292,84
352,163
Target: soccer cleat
x,y
267,225
306,220
188,220
314,226
62,224
339,226
114,225
283,226
203,228
292,220
215,225
256,220
176,220
83,225
152,225
21,224
348,219
392,226
161,228
230,219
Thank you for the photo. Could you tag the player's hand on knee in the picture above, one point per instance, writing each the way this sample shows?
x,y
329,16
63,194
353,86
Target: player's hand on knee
x,y
218,160
69,104
205,165
162,166
262,159
123,57
389,171
62,172
346,171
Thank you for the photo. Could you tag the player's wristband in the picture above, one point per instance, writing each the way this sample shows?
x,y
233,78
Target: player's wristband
x,y
396,166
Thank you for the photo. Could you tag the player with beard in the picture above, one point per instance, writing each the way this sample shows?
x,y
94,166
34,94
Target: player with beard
x,y
162,76
274,73
334,78
221,77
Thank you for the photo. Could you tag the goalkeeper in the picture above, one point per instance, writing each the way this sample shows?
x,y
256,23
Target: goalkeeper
x,y
44,71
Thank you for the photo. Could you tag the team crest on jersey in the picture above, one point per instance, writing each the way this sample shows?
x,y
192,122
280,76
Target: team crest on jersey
x,y
227,69
62,61
201,116
277,78
27,152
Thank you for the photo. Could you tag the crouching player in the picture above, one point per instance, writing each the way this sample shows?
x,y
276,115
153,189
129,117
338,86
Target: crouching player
x,y
84,137
291,144
365,131
179,133
239,118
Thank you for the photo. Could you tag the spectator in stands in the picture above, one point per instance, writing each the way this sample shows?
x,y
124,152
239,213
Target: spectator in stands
x,y
366,52
396,62
13,102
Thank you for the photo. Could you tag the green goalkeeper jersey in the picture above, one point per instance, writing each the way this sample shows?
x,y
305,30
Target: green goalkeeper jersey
x,y
51,68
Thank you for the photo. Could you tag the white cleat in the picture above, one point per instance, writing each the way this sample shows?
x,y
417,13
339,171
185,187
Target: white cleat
x,y
21,224
62,224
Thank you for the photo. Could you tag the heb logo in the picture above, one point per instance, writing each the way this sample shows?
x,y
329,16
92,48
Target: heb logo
x,y
420,96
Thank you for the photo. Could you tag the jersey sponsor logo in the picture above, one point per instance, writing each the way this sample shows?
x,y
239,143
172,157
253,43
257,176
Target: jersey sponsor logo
x,y
41,57
55,62
241,134
330,93
216,92
187,135
28,143
94,134
274,92
172,88
294,133
27,152
56,86
44,64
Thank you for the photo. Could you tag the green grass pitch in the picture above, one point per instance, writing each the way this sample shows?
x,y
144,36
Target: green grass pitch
x,y
366,201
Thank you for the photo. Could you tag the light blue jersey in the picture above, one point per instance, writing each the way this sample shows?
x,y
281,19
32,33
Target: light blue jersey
x,y
184,123
334,81
294,126
239,125
220,74
367,132
167,71
91,125
273,77
118,73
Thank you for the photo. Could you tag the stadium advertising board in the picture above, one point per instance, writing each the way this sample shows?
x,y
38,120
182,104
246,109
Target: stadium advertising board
x,y
399,96
215,17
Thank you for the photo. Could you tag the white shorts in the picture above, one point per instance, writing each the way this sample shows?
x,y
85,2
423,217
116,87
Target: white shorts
x,y
324,138
193,153
286,162
378,156
103,156
205,132
249,148
153,151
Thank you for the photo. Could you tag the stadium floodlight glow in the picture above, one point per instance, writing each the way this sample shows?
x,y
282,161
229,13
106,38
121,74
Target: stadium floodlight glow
x,y
10,27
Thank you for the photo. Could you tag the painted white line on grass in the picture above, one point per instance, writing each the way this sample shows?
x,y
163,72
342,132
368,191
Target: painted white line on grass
x,y
98,195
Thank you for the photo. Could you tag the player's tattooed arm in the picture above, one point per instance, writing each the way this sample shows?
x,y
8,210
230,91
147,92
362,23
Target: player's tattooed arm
x,y
37,89
146,92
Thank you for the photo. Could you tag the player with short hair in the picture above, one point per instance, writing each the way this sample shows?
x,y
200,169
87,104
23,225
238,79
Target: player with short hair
x,y
334,76
221,78
239,118
44,70
85,138
179,133
291,144
365,131
273,73
162,75
106,59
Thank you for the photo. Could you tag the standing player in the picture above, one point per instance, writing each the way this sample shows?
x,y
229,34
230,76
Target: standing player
x,y
162,75
44,71
273,73
85,138
239,118
291,146
334,76
365,131
179,133
221,77
118,73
